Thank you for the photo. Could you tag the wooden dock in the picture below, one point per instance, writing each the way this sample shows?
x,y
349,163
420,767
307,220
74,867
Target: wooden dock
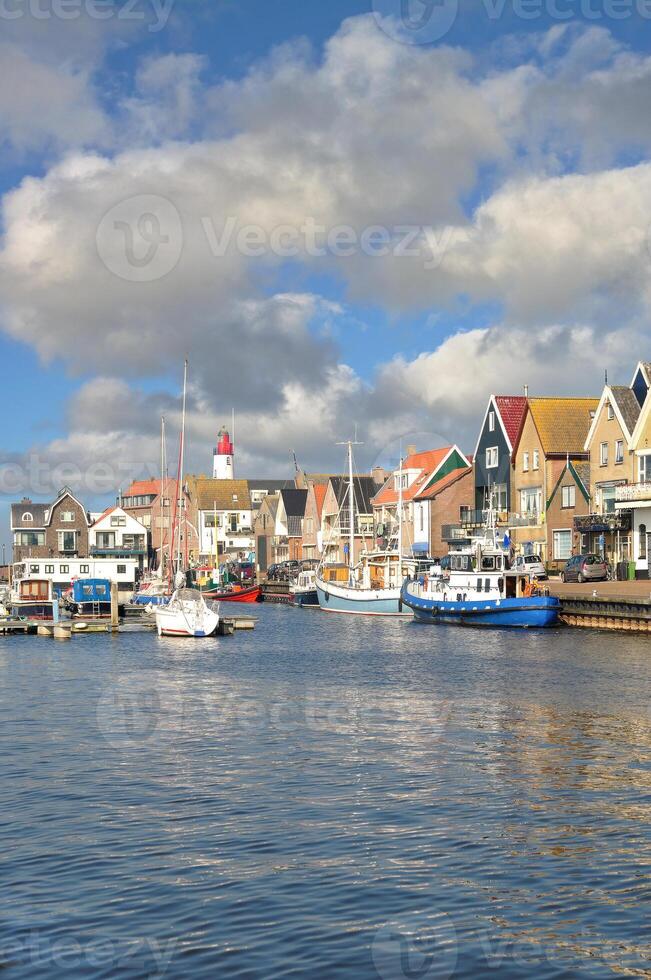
x,y
276,592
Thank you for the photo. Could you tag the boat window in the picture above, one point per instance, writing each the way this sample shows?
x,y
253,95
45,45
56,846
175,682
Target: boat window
x,y
487,563
488,584
479,589
459,563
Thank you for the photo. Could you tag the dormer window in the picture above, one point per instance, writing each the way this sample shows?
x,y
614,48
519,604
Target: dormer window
x,y
491,421
611,412
27,516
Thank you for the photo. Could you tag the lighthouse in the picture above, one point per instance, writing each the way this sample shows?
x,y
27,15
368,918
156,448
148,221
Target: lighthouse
x,y
223,456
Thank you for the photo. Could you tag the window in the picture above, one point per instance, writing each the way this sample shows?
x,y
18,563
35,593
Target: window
x,y
569,497
611,412
492,457
68,516
421,512
146,520
525,462
122,569
67,540
491,421
603,454
106,539
644,469
27,516
530,500
49,569
34,568
619,451
562,545
536,459
642,534
84,569
64,570
30,539
464,512
118,520
608,500
166,502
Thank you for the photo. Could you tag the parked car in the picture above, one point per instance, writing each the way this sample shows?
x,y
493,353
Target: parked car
x,y
585,568
287,570
532,564
272,572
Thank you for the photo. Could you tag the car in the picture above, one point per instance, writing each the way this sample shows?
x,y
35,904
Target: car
x,y
585,568
531,564
272,571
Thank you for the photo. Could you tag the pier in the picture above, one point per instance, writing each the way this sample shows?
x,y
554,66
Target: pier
x,y
621,606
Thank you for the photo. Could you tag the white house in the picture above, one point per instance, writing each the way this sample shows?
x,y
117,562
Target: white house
x,y
116,534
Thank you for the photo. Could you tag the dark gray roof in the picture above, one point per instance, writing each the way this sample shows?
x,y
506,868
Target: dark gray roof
x,y
271,485
294,502
38,512
583,472
294,526
628,405
365,490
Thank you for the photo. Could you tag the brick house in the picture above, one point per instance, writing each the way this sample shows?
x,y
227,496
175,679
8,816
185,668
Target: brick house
x,y
312,534
568,503
444,500
153,503
336,519
56,530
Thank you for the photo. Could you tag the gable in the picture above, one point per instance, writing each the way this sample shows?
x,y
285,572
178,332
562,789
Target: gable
x,y
563,481
639,385
498,437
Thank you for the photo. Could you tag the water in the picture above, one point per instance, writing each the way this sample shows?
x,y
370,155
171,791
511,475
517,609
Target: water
x,y
326,797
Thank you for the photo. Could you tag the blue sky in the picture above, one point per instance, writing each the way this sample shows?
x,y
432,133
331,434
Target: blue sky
x,y
517,144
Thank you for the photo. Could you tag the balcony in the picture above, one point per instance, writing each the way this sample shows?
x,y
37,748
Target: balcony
x,y
118,551
631,492
454,533
532,519
617,520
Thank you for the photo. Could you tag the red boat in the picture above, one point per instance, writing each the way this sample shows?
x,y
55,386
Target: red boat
x,y
237,593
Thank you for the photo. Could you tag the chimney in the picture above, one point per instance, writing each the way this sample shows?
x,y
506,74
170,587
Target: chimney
x,y
411,450
526,391
378,475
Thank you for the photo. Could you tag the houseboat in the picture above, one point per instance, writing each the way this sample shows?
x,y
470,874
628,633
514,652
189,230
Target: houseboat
x,y
34,598
90,598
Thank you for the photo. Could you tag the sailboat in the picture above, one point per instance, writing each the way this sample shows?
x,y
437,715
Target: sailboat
x,y
371,586
187,613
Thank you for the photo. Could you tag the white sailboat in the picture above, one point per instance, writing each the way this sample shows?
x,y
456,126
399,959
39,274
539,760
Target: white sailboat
x,y
371,586
187,613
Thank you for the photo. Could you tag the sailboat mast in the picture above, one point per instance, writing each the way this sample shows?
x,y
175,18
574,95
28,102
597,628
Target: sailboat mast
x,y
161,562
182,518
400,509
351,507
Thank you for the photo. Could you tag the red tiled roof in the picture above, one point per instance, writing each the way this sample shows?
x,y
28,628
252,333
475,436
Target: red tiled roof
x,y
320,490
444,482
425,462
142,488
512,409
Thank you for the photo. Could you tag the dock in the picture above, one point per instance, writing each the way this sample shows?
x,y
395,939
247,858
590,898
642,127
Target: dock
x,y
621,606
276,592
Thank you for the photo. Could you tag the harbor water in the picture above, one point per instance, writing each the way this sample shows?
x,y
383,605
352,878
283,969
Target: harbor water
x,y
327,796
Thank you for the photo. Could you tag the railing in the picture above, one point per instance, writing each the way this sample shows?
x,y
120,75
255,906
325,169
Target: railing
x,y
454,532
617,520
633,491
534,519
117,550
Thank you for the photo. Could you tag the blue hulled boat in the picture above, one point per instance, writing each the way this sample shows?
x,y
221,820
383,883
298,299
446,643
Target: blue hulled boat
x,y
480,589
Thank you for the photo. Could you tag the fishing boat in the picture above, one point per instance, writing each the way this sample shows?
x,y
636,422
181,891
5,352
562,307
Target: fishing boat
x,y
232,593
302,589
187,614
371,586
480,589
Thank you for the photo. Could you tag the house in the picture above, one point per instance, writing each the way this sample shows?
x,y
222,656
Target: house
x,y
554,432
221,512
154,504
418,473
265,532
635,497
568,503
289,519
494,453
56,530
259,489
445,498
606,530
117,534
312,533
336,518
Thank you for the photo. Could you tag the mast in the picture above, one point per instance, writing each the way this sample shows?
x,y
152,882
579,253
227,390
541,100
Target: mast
x,y
181,464
161,560
351,507
400,510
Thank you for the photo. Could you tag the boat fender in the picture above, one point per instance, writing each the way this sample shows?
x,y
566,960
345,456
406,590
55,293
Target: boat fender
x,y
458,597
327,596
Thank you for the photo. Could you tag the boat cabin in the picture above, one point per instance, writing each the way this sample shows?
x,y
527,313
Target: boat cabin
x,y
91,590
35,590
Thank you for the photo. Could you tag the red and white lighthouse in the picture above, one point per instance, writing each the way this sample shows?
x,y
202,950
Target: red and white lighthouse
x,y
223,456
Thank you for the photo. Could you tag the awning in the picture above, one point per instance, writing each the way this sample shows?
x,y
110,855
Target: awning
x,y
420,547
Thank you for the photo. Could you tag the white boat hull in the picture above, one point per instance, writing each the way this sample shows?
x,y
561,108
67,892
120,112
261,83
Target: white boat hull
x,y
337,598
192,618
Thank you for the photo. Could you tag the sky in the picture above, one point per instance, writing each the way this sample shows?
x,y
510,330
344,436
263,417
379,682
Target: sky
x,y
351,218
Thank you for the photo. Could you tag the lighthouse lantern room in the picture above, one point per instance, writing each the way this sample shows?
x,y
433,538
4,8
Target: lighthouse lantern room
x,y
223,456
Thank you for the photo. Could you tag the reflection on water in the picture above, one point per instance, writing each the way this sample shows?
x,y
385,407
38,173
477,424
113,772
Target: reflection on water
x,y
327,797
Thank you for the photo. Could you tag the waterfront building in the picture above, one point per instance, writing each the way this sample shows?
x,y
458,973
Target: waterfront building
x,y
445,499
606,529
221,512
312,531
419,481
153,503
57,529
635,497
494,455
336,518
265,531
117,534
61,571
553,434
